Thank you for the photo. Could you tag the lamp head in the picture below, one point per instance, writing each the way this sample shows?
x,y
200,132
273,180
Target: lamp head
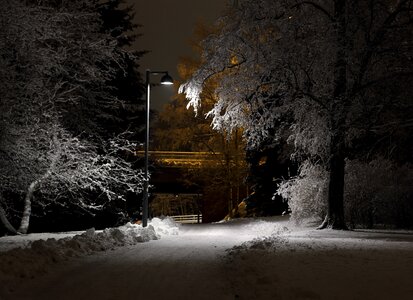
x,y
167,80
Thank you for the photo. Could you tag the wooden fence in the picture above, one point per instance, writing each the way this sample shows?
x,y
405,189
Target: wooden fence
x,y
188,219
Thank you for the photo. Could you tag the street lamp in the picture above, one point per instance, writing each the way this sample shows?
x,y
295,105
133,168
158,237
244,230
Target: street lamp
x,y
165,80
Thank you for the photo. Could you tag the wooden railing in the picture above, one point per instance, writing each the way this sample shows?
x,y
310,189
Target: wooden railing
x,y
188,219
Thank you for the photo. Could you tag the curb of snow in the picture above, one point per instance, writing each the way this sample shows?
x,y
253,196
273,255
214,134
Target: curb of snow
x,y
39,255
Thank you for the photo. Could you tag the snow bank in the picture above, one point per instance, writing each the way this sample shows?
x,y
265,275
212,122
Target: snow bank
x,y
165,226
298,263
38,255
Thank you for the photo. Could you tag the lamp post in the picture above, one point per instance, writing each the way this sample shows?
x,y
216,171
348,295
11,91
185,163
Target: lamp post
x,y
165,80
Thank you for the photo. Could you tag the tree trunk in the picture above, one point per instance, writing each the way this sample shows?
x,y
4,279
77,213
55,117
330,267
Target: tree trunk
x,y
335,205
338,110
5,221
27,211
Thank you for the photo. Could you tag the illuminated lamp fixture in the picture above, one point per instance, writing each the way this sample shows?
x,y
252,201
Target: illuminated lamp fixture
x,y
166,79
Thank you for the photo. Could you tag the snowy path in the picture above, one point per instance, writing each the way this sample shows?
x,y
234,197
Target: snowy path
x,y
268,262
151,270
187,266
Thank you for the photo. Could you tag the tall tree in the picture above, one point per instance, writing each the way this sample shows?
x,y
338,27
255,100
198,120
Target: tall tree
x,y
309,70
118,21
55,65
177,129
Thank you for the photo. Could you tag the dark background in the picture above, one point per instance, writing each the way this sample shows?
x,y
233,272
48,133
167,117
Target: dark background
x,y
167,27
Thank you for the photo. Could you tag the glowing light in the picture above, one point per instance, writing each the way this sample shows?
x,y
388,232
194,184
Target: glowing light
x,y
167,80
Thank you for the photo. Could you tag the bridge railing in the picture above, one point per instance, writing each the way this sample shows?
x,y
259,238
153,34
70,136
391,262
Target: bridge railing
x,y
187,219
184,159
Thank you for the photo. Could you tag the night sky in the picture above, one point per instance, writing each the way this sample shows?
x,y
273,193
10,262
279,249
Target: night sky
x,y
167,28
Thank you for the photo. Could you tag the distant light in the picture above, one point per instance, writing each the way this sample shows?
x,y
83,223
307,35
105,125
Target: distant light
x,y
167,80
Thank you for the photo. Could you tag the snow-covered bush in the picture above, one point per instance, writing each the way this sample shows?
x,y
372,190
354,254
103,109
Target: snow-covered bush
x,y
379,193
376,193
307,193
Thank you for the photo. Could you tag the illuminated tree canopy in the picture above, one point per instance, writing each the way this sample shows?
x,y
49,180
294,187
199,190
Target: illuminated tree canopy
x,y
325,74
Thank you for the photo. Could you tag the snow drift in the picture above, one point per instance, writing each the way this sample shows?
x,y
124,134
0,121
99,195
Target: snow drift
x,y
35,257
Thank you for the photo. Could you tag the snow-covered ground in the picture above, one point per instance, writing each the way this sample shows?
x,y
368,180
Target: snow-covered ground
x,y
241,259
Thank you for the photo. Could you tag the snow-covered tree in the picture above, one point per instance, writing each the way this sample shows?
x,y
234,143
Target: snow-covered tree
x,y
55,65
177,129
324,73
